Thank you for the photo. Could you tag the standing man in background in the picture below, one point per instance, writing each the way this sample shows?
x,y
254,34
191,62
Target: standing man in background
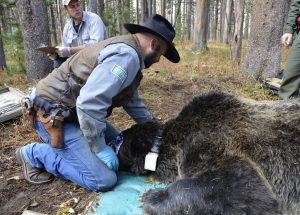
x,y
82,29
291,81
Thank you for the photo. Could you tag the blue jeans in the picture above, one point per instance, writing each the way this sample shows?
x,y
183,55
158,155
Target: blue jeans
x,y
75,161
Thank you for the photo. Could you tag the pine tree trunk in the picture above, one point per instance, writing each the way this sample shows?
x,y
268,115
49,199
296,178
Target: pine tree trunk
x,y
137,12
61,20
126,11
119,16
53,26
35,30
101,7
2,54
93,6
201,25
189,19
222,18
163,8
144,9
238,31
154,7
263,56
247,20
227,22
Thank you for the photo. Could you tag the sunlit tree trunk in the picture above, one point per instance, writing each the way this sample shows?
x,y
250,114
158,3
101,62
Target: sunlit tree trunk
x,y
93,6
60,11
222,18
163,7
246,28
214,19
238,31
201,25
227,22
53,26
189,19
137,12
154,6
263,56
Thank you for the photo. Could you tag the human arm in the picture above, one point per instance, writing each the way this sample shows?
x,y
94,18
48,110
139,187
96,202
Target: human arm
x,y
290,26
95,30
137,109
102,85
291,20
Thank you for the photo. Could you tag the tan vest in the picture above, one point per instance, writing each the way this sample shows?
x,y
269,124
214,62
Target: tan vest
x,y
62,86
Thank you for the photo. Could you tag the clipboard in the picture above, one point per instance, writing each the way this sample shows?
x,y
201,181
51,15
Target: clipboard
x,y
47,49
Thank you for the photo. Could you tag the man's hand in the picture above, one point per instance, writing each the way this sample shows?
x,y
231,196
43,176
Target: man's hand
x,y
109,157
286,39
64,51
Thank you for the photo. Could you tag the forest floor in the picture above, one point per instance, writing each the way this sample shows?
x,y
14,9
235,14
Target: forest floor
x,y
165,89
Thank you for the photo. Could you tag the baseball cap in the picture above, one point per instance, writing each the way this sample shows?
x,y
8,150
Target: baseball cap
x,y
67,2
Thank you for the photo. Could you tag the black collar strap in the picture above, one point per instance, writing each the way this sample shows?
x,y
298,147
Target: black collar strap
x,y
157,141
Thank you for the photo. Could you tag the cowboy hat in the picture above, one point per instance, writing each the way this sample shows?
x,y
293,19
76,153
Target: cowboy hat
x,y
159,26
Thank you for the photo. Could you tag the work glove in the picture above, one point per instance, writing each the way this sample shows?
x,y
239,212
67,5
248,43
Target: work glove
x,y
52,56
64,52
109,157
286,39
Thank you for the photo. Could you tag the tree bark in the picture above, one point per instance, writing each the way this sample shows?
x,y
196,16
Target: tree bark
x,y
163,7
238,31
61,20
227,22
150,7
247,20
93,6
137,12
201,25
3,18
35,30
178,12
119,16
144,9
263,56
3,30
53,26
101,7
126,11
222,20
154,6
189,19
2,54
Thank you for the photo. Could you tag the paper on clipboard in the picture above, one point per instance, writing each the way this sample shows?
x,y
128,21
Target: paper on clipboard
x,y
47,49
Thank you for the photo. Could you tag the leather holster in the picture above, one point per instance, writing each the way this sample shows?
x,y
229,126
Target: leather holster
x,y
54,126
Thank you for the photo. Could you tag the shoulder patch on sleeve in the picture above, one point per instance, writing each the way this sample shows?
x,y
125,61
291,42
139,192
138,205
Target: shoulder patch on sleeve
x,y
119,72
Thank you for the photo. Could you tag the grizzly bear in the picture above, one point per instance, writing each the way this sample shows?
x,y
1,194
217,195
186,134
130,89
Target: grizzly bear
x,y
221,155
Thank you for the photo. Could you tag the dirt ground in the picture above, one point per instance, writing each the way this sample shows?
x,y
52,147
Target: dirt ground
x,y
60,196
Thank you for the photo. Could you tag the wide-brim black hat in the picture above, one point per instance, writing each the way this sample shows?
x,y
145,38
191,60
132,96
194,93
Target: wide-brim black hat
x,y
159,26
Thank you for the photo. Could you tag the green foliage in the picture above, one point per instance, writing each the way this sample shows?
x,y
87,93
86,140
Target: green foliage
x,y
111,23
14,53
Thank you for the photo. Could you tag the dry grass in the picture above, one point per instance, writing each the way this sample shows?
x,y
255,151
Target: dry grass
x,y
166,87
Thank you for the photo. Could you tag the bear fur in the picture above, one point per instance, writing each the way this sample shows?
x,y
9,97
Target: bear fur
x,y
221,155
